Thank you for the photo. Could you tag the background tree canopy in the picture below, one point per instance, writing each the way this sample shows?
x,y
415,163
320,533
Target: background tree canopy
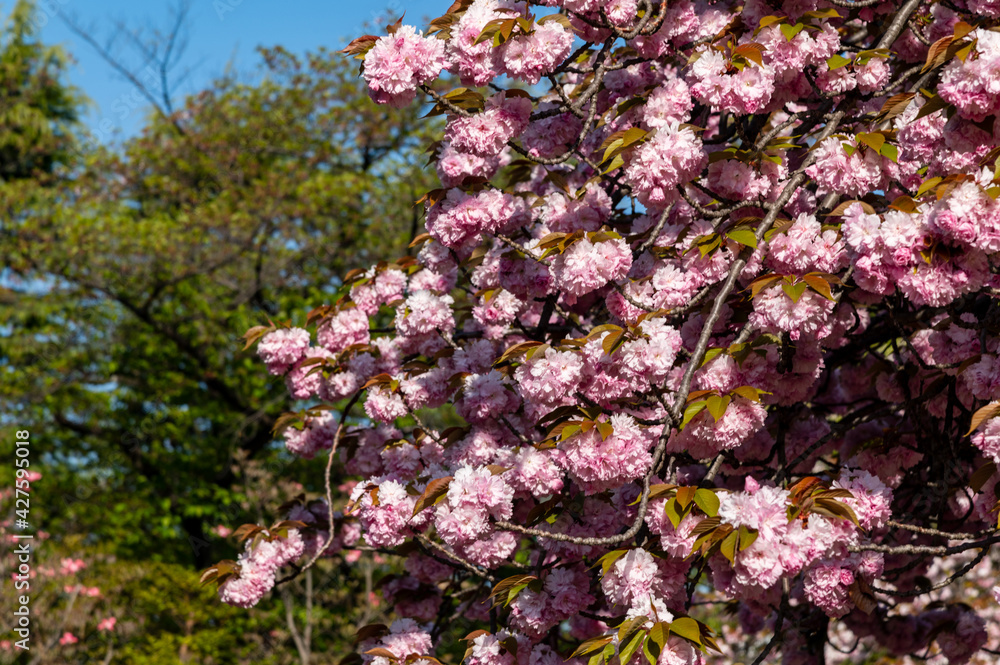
x,y
130,271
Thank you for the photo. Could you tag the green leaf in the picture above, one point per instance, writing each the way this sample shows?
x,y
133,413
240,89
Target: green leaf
x,y
707,247
823,13
633,135
692,410
873,140
591,645
789,31
612,147
568,430
687,628
928,184
629,627
708,501
625,653
711,354
744,236
748,392
674,512
747,537
728,547
836,62
794,291
617,162
609,559
890,152
717,406
512,594
651,650
659,634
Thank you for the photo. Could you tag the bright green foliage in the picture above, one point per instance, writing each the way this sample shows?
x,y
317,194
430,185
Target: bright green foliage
x,y
120,344
127,276
36,110
163,616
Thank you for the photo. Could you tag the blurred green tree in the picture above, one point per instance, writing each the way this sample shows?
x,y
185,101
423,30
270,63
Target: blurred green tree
x,y
143,612
127,275
37,109
129,284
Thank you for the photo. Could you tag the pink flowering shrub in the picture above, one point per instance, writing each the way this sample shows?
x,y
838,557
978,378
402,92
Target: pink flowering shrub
x,y
706,317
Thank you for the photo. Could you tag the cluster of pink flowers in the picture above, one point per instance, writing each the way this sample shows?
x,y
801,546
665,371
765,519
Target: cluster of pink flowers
x,y
401,62
972,85
746,90
486,134
70,566
706,319
524,56
529,57
599,464
671,157
888,252
850,174
587,266
460,218
283,348
257,568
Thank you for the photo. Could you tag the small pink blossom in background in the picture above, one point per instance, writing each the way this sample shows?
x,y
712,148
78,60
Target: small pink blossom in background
x,y
32,476
5,645
68,638
107,624
71,566
221,530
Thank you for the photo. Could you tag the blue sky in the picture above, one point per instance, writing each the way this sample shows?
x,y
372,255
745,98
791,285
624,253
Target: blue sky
x,y
220,31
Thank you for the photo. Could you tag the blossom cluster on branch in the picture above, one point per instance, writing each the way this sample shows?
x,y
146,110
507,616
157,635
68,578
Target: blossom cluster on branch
x,y
705,318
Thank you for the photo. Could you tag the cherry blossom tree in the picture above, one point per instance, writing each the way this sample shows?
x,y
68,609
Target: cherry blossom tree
x,y
697,359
